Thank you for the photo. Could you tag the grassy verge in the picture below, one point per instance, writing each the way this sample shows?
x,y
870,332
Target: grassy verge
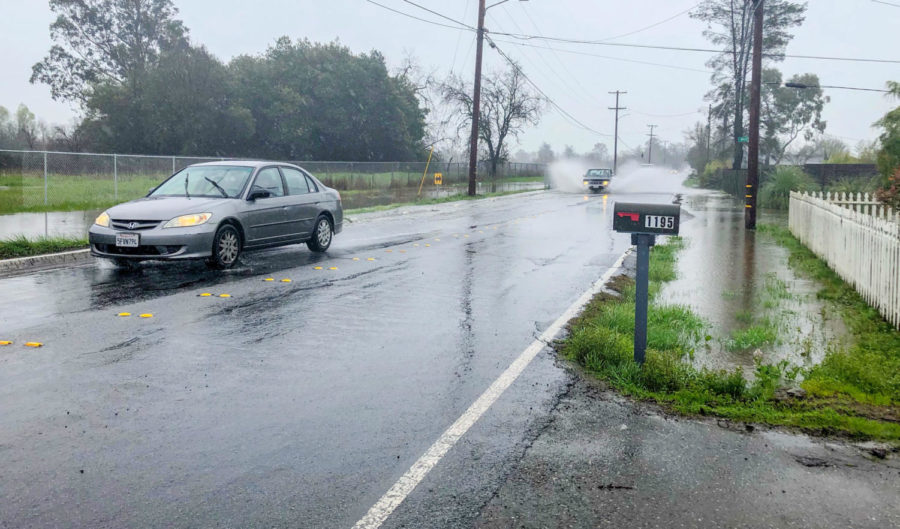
x,y
23,247
429,201
691,181
840,401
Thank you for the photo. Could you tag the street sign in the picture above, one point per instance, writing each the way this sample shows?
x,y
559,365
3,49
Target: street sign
x,y
644,222
662,219
743,139
438,179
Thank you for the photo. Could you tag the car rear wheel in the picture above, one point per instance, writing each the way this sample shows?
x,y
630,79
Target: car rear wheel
x,y
322,235
226,247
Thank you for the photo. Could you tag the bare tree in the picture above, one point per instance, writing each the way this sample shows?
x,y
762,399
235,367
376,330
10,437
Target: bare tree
x,y
507,107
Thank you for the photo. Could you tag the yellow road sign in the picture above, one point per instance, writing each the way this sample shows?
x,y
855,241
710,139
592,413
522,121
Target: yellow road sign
x,y
438,179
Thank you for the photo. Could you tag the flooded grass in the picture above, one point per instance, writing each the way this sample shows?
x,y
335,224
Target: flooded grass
x,y
23,247
601,340
868,370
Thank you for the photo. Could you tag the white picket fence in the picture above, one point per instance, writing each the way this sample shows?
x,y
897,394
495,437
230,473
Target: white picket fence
x,y
859,238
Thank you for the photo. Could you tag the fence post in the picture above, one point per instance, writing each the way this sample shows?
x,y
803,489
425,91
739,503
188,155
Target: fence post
x,y
173,165
116,176
45,178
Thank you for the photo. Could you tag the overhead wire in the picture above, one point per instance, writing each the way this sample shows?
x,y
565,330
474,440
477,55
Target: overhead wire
x,y
651,26
418,18
536,87
433,12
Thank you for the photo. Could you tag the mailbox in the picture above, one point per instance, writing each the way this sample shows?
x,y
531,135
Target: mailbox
x,y
661,219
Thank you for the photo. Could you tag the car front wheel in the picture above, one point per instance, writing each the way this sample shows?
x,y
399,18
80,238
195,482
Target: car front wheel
x,y
226,247
322,235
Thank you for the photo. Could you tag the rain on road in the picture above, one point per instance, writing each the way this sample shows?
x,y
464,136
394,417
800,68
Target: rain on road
x,y
292,403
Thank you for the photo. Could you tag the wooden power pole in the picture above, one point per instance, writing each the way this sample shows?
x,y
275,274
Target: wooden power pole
x,y
617,108
752,185
650,144
476,101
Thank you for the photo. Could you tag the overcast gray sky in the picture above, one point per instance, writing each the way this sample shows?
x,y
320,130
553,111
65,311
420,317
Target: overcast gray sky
x,y
668,93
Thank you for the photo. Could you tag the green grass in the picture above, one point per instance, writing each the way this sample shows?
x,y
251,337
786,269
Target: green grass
x,y
753,337
601,340
21,193
691,181
22,247
868,371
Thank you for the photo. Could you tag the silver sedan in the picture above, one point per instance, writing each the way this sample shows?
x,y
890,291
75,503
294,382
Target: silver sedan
x,y
217,210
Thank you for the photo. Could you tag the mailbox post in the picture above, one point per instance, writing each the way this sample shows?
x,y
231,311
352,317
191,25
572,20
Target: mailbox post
x,y
644,222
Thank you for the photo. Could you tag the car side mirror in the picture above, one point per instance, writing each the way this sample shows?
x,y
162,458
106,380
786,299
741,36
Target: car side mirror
x,y
259,193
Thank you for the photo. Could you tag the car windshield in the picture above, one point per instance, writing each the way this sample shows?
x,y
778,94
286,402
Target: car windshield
x,y
205,181
600,172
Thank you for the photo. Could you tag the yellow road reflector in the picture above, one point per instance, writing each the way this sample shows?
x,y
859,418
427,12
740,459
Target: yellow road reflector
x,y
402,251
748,196
269,279
748,206
33,344
147,315
333,268
205,295
748,185
416,245
389,251
370,259
124,314
5,342
428,245
286,280
437,240
317,268
224,295
356,258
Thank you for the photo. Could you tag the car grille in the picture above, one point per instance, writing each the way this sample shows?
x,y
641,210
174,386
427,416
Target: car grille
x,y
140,250
134,225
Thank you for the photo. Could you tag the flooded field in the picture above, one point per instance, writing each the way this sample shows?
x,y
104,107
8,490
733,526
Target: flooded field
x,y
756,305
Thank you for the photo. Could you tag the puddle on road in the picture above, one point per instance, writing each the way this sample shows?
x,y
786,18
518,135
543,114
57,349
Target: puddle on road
x,y
53,224
746,282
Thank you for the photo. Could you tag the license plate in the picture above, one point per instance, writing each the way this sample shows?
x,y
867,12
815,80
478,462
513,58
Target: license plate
x,y
659,222
128,240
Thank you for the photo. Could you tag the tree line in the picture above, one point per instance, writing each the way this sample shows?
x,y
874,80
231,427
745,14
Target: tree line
x,y
143,87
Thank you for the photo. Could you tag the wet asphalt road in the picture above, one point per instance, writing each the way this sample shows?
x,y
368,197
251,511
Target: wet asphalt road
x,y
292,404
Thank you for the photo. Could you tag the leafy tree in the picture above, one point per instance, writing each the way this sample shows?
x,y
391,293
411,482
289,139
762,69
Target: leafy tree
x,y
599,154
569,152
789,113
320,101
507,107
185,107
26,127
105,42
889,155
867,151
697,155
729,24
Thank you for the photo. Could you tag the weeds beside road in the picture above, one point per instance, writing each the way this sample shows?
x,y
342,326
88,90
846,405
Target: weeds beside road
x,y
853,393
23,247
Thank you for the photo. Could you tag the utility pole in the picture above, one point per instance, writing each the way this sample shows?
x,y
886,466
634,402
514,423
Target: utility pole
x,y
708,132
650,144
617,108
753,151
476,101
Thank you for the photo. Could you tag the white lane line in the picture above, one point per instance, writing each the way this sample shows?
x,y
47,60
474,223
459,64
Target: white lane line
x,y
416,473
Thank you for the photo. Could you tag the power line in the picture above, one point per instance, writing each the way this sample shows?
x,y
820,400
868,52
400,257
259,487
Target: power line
x,y
536,87
651,26
415,17
667,115
700,50
586,54
886,3
445,17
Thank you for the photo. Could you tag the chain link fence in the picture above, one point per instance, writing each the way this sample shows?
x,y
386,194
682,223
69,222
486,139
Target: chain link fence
x,y
46,181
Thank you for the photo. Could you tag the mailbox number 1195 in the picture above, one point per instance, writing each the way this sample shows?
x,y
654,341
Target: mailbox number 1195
x,y
659,222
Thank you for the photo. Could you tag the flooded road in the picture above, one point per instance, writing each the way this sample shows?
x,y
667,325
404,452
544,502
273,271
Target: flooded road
x,y
288,403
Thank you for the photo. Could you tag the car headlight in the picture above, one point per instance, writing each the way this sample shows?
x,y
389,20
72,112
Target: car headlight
x,y
102,220
606,182
186,221
585,182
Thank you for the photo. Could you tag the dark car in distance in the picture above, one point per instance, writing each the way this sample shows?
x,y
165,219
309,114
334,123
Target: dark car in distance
x,y
597,179
216,211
